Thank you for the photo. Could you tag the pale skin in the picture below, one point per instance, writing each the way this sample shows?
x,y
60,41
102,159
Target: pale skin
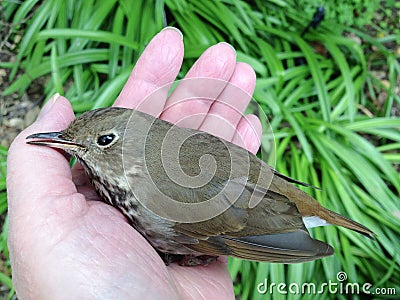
x,y
66,245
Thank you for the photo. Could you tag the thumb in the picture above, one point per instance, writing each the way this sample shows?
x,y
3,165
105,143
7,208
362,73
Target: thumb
x,y
36,175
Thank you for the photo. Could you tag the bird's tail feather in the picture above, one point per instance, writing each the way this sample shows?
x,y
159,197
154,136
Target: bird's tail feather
x,y
339,220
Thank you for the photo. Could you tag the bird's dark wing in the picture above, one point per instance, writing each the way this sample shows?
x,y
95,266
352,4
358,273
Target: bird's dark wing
x,y
291,247
271,231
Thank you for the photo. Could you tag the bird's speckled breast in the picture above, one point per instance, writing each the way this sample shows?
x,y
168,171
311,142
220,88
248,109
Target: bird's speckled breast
x,y
157,231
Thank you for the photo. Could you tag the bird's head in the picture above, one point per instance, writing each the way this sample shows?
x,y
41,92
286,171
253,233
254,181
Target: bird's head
x,y
93,137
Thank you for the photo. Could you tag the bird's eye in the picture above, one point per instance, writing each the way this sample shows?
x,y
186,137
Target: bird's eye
x,y
106,139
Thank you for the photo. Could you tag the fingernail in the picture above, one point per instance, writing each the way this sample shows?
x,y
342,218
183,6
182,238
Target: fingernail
x,y
174,29
47,107
225,43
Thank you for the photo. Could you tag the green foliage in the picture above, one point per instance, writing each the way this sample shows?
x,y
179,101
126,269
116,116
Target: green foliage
x,y
5,271
315,104
356,12
388,19
82,42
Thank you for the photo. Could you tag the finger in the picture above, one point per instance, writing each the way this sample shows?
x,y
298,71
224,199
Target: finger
x,y
226,112
248,133
37,174
202,84
79,176
82,182
147,87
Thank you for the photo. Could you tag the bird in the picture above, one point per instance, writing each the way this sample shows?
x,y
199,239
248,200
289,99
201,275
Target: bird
x,y
192,195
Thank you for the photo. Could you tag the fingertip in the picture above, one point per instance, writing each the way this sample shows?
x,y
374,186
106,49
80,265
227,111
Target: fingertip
x,y
47,107
56,111
154,72
218,62
248,134
244,76
225,44
171,30
253,138
55,115
169,35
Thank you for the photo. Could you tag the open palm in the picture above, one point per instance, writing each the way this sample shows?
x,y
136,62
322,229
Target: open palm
x,y
64,243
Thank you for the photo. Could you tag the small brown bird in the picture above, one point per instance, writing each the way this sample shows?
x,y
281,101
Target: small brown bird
x,y
192,195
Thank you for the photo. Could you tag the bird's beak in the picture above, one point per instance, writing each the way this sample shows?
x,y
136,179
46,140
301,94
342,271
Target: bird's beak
x,y
52,139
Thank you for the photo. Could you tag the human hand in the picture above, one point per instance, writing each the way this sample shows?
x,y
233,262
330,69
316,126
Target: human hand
x,y
64,243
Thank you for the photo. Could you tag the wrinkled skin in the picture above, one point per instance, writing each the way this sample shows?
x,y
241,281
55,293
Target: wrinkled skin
x,y
65,245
